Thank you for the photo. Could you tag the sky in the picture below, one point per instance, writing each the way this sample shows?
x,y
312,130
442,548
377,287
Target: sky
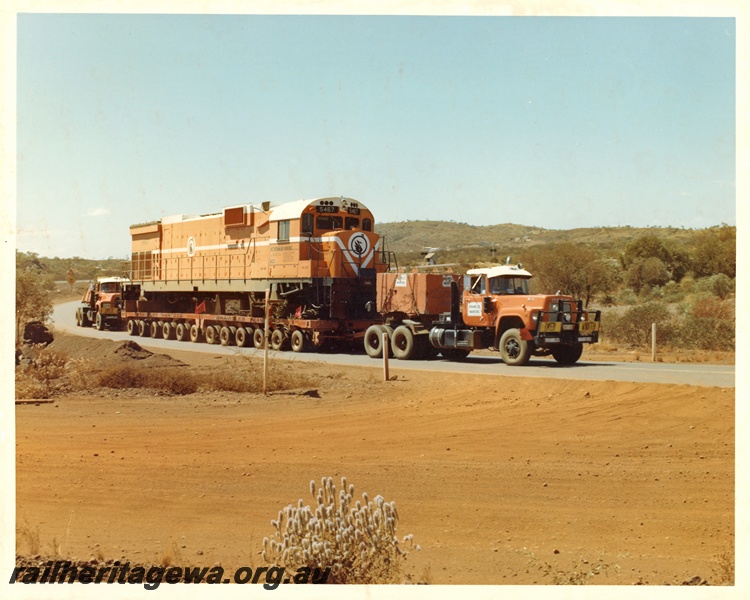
x,y
555,122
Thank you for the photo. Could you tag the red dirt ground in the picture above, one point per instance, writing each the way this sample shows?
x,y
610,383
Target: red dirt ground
x,y
501,481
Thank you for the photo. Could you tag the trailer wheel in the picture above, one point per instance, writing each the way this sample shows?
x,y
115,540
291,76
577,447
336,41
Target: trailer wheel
x,y
567,354
403,343
242,337
143,328
132,327
182,332
212,335
78,317
279,340
196,335
514,349
225,336
167,331
85,318
259,338
298,341
374,341
155,329
454,353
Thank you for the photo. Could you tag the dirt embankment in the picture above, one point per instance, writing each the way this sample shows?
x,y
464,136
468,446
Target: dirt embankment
x,y
501,481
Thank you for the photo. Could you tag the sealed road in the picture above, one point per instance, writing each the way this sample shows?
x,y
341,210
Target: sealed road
x,y
680,373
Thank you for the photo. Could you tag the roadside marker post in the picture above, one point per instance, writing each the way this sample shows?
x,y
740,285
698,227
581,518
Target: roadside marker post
x,y
265,345
385,356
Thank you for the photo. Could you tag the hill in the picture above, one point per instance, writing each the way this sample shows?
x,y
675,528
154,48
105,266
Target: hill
x,y
413,236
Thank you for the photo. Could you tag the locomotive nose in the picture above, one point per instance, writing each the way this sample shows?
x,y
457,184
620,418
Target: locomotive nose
x,y
356,249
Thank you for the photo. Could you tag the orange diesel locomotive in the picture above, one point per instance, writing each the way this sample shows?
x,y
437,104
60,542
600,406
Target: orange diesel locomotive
x,y
206,276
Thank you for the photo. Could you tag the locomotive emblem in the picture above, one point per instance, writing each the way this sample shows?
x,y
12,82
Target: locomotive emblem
x,y
359,244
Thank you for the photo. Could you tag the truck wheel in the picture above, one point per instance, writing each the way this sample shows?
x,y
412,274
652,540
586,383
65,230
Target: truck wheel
x,y
182,332
132,326
279,340
403,343
225,336
259,338
167,331
374,341
567,354
298,341
514,349
196,335
212,335
143,329
454,353
155,329
243,337
99,321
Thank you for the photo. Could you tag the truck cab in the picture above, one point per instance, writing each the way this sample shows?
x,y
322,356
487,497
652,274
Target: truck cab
x,y
102,303
497,311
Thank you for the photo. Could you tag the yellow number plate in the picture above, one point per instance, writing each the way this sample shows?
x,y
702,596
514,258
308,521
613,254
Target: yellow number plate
x,y
550,327
588,326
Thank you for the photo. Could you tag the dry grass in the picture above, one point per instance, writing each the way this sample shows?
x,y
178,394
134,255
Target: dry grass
x,y
172,381
244,374
580,572
724,569
38,379
356,540
28,536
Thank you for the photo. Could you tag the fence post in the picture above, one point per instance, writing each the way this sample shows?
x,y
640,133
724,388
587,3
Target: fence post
x,y
385,356
265,345
653,342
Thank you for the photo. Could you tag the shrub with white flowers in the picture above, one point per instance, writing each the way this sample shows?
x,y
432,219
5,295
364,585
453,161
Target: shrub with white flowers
x,y
356,539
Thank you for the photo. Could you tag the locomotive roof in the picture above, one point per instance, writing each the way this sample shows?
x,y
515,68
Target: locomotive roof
x,y
501,270
292,210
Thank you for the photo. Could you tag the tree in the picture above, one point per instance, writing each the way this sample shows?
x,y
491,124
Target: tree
x,y
650,271
675,260
33,298
573,269
715,252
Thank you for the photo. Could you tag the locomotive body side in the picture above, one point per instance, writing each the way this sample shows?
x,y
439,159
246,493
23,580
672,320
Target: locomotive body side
x,y
318,257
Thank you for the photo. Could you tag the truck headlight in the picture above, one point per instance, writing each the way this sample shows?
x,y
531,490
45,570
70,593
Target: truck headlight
x,y
554,307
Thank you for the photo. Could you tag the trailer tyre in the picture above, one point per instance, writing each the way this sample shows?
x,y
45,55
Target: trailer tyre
x,y
182,332
196,335
168,331
212,335
155,329
259,337
243,337
279,340
132,327
298,341
514,349
143,329
226,338
567,354
78,317
402,343
374,341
